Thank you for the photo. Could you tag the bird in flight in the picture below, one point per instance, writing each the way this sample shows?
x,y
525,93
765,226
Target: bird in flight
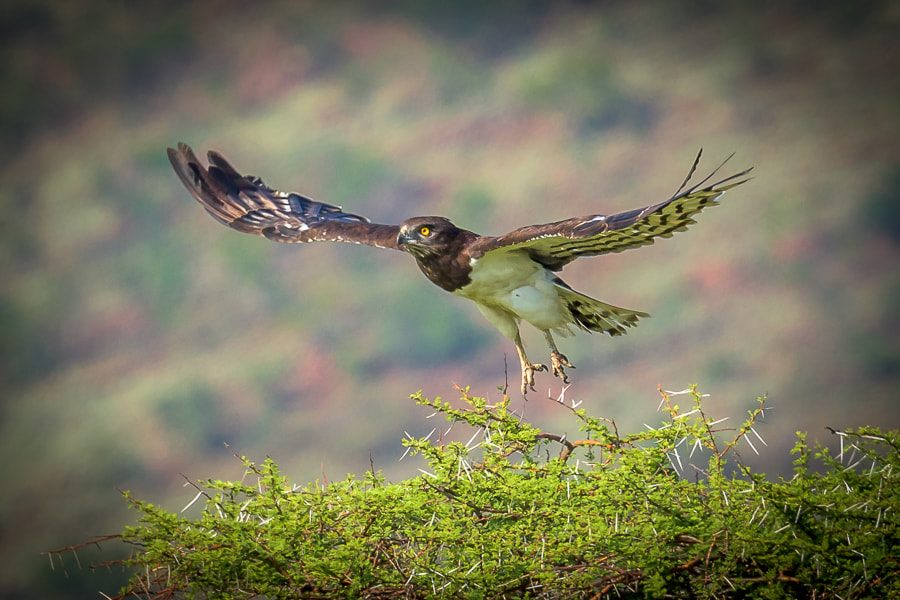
x,y
511,277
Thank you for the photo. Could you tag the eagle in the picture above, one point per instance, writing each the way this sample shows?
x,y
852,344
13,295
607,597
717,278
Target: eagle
x,y
511,278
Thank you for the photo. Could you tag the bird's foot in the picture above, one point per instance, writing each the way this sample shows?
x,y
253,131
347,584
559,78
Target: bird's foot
x,y
558,361
528,371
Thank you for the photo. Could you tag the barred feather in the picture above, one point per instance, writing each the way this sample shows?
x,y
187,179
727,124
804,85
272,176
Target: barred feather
x,y
246,204
593,315
556,244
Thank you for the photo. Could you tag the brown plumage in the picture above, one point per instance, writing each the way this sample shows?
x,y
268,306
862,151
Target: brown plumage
x,y
511,277
250,206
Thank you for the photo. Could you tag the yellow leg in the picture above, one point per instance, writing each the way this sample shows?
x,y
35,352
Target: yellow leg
x,y
528,368
557,359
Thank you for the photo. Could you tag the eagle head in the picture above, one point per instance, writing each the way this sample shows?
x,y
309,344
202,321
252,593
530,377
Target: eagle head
x,y
439,248
427,237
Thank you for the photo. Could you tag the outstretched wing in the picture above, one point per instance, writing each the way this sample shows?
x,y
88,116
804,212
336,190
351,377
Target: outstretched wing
x,y
248,205
557,244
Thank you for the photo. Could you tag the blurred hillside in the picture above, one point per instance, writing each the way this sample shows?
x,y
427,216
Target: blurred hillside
x,y
139,335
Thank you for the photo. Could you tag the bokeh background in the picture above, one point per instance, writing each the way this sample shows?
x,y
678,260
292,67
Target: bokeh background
x,y
139,336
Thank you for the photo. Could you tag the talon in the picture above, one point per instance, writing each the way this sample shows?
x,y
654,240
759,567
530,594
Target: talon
x,y
558,361
528,370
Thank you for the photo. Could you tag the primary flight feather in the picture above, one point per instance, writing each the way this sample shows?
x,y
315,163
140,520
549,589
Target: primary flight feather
x,y
511,278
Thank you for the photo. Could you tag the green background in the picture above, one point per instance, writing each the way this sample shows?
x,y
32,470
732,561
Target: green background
x,y
139,336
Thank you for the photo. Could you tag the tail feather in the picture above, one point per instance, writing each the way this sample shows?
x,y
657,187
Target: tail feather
x,y
594,315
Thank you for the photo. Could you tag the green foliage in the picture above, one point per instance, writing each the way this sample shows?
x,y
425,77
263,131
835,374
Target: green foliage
x,y
517,512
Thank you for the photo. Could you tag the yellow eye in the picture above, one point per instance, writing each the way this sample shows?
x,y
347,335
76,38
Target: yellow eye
x,y
425,231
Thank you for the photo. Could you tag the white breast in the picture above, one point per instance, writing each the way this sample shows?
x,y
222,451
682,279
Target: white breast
x,y
514,283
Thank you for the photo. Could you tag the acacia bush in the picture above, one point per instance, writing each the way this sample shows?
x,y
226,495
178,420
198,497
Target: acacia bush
x,y
517,512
